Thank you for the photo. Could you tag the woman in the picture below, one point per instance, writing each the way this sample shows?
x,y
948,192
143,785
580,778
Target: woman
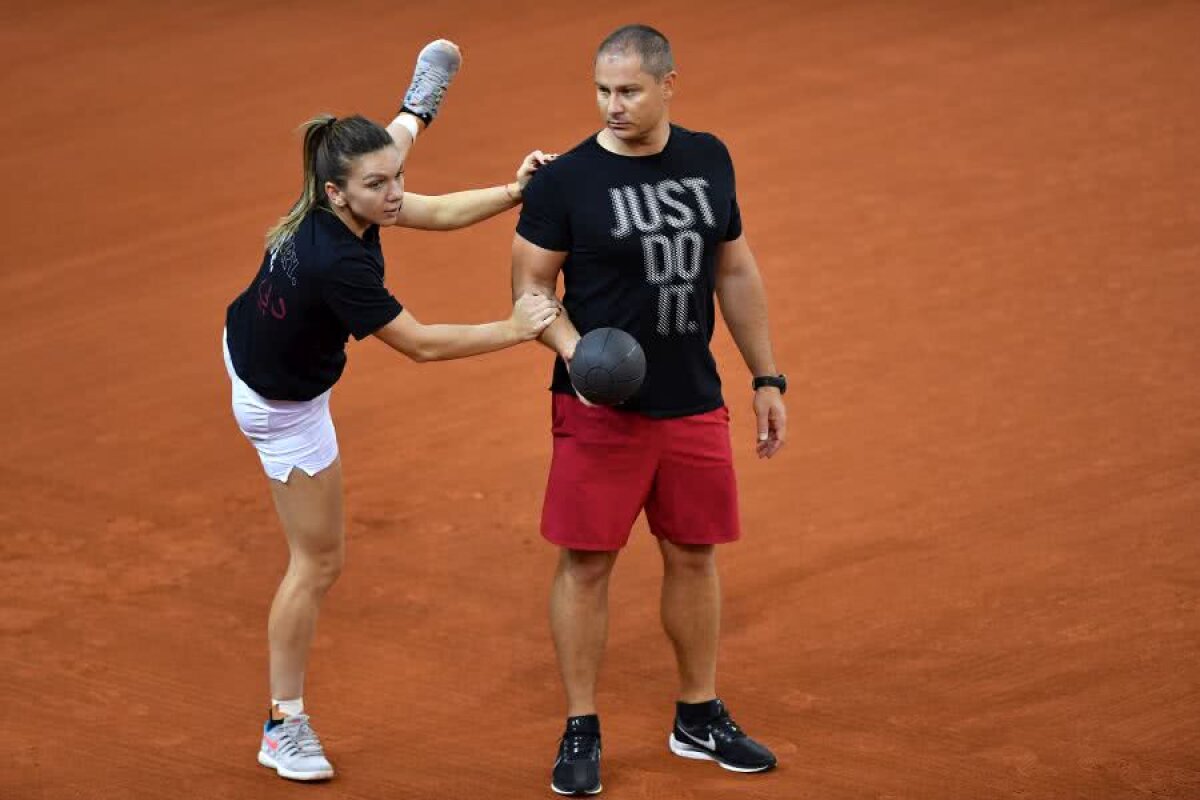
x,y
321,281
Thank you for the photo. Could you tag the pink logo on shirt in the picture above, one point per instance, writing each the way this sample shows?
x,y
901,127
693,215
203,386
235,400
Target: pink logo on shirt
x,y
278,309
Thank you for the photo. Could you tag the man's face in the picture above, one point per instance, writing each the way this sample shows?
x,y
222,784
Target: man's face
x,y
632,101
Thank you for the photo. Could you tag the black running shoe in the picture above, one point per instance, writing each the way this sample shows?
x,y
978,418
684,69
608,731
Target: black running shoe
x,y
577,770
720,739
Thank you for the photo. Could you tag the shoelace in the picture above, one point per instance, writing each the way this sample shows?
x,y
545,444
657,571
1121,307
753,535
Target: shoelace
x,y
724,728
576,746
429,84
303,739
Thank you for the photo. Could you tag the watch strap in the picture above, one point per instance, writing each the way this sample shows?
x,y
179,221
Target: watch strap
x,y
777,381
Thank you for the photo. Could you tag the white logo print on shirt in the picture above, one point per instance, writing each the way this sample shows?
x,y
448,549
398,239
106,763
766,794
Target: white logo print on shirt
x,y
285,256
672,262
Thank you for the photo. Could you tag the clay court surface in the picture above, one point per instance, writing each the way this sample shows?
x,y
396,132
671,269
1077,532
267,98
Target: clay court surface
x,y
973,573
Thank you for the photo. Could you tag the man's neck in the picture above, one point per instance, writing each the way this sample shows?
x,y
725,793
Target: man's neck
x,y
653,142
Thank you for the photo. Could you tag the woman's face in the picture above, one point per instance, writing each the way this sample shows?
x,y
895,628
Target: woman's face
x,y
374,190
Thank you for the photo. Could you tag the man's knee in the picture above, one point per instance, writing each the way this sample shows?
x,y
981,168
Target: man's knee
x,y
697,559
587,567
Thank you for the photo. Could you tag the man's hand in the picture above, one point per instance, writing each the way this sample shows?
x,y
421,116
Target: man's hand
x,y
567,353
568,350
772,421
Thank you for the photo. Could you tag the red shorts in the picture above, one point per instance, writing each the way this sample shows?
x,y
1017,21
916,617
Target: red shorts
x,y
609,465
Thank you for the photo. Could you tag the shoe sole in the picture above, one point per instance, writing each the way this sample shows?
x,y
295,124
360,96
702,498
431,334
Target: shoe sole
x,y
557,790
684,750
283,772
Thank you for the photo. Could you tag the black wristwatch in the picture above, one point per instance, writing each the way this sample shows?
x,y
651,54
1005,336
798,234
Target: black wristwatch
x,y
427,118
778,381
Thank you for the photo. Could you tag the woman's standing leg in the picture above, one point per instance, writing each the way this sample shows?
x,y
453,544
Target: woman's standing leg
x,y
310,510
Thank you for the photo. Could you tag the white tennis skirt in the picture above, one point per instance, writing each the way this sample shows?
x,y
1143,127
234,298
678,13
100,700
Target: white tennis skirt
x,y
288,434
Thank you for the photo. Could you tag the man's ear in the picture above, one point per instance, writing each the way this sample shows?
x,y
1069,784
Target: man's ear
x,y
668,84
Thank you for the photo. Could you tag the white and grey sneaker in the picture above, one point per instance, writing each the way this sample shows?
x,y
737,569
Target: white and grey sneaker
x,y
293,750
437,64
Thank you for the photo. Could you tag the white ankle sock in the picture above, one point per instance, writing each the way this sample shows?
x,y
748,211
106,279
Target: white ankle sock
x,y
289,708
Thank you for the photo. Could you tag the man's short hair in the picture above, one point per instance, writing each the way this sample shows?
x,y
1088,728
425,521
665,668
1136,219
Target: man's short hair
x,y
644,41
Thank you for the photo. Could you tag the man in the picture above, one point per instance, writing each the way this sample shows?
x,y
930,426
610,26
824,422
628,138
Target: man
x,y
642,220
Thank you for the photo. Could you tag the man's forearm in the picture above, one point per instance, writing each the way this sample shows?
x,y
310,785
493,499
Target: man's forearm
x,y
744,306
561,334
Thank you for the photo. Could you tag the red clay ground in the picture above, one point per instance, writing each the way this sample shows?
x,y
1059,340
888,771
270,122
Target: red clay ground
x,y
974,573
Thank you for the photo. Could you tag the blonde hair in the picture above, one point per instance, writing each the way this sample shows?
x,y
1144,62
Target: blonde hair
x,y
330,147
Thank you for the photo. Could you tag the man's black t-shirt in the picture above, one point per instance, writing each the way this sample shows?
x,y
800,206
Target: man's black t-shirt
x,y
287,332
641,236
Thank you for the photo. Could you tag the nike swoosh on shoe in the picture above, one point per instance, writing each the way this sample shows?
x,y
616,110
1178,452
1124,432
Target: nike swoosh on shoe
x,y
709,743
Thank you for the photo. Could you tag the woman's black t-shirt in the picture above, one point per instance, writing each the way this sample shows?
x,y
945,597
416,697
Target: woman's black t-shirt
x,y
641,236
287,332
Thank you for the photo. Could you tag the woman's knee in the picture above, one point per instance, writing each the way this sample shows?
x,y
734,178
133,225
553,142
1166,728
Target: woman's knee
x,y
320,569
